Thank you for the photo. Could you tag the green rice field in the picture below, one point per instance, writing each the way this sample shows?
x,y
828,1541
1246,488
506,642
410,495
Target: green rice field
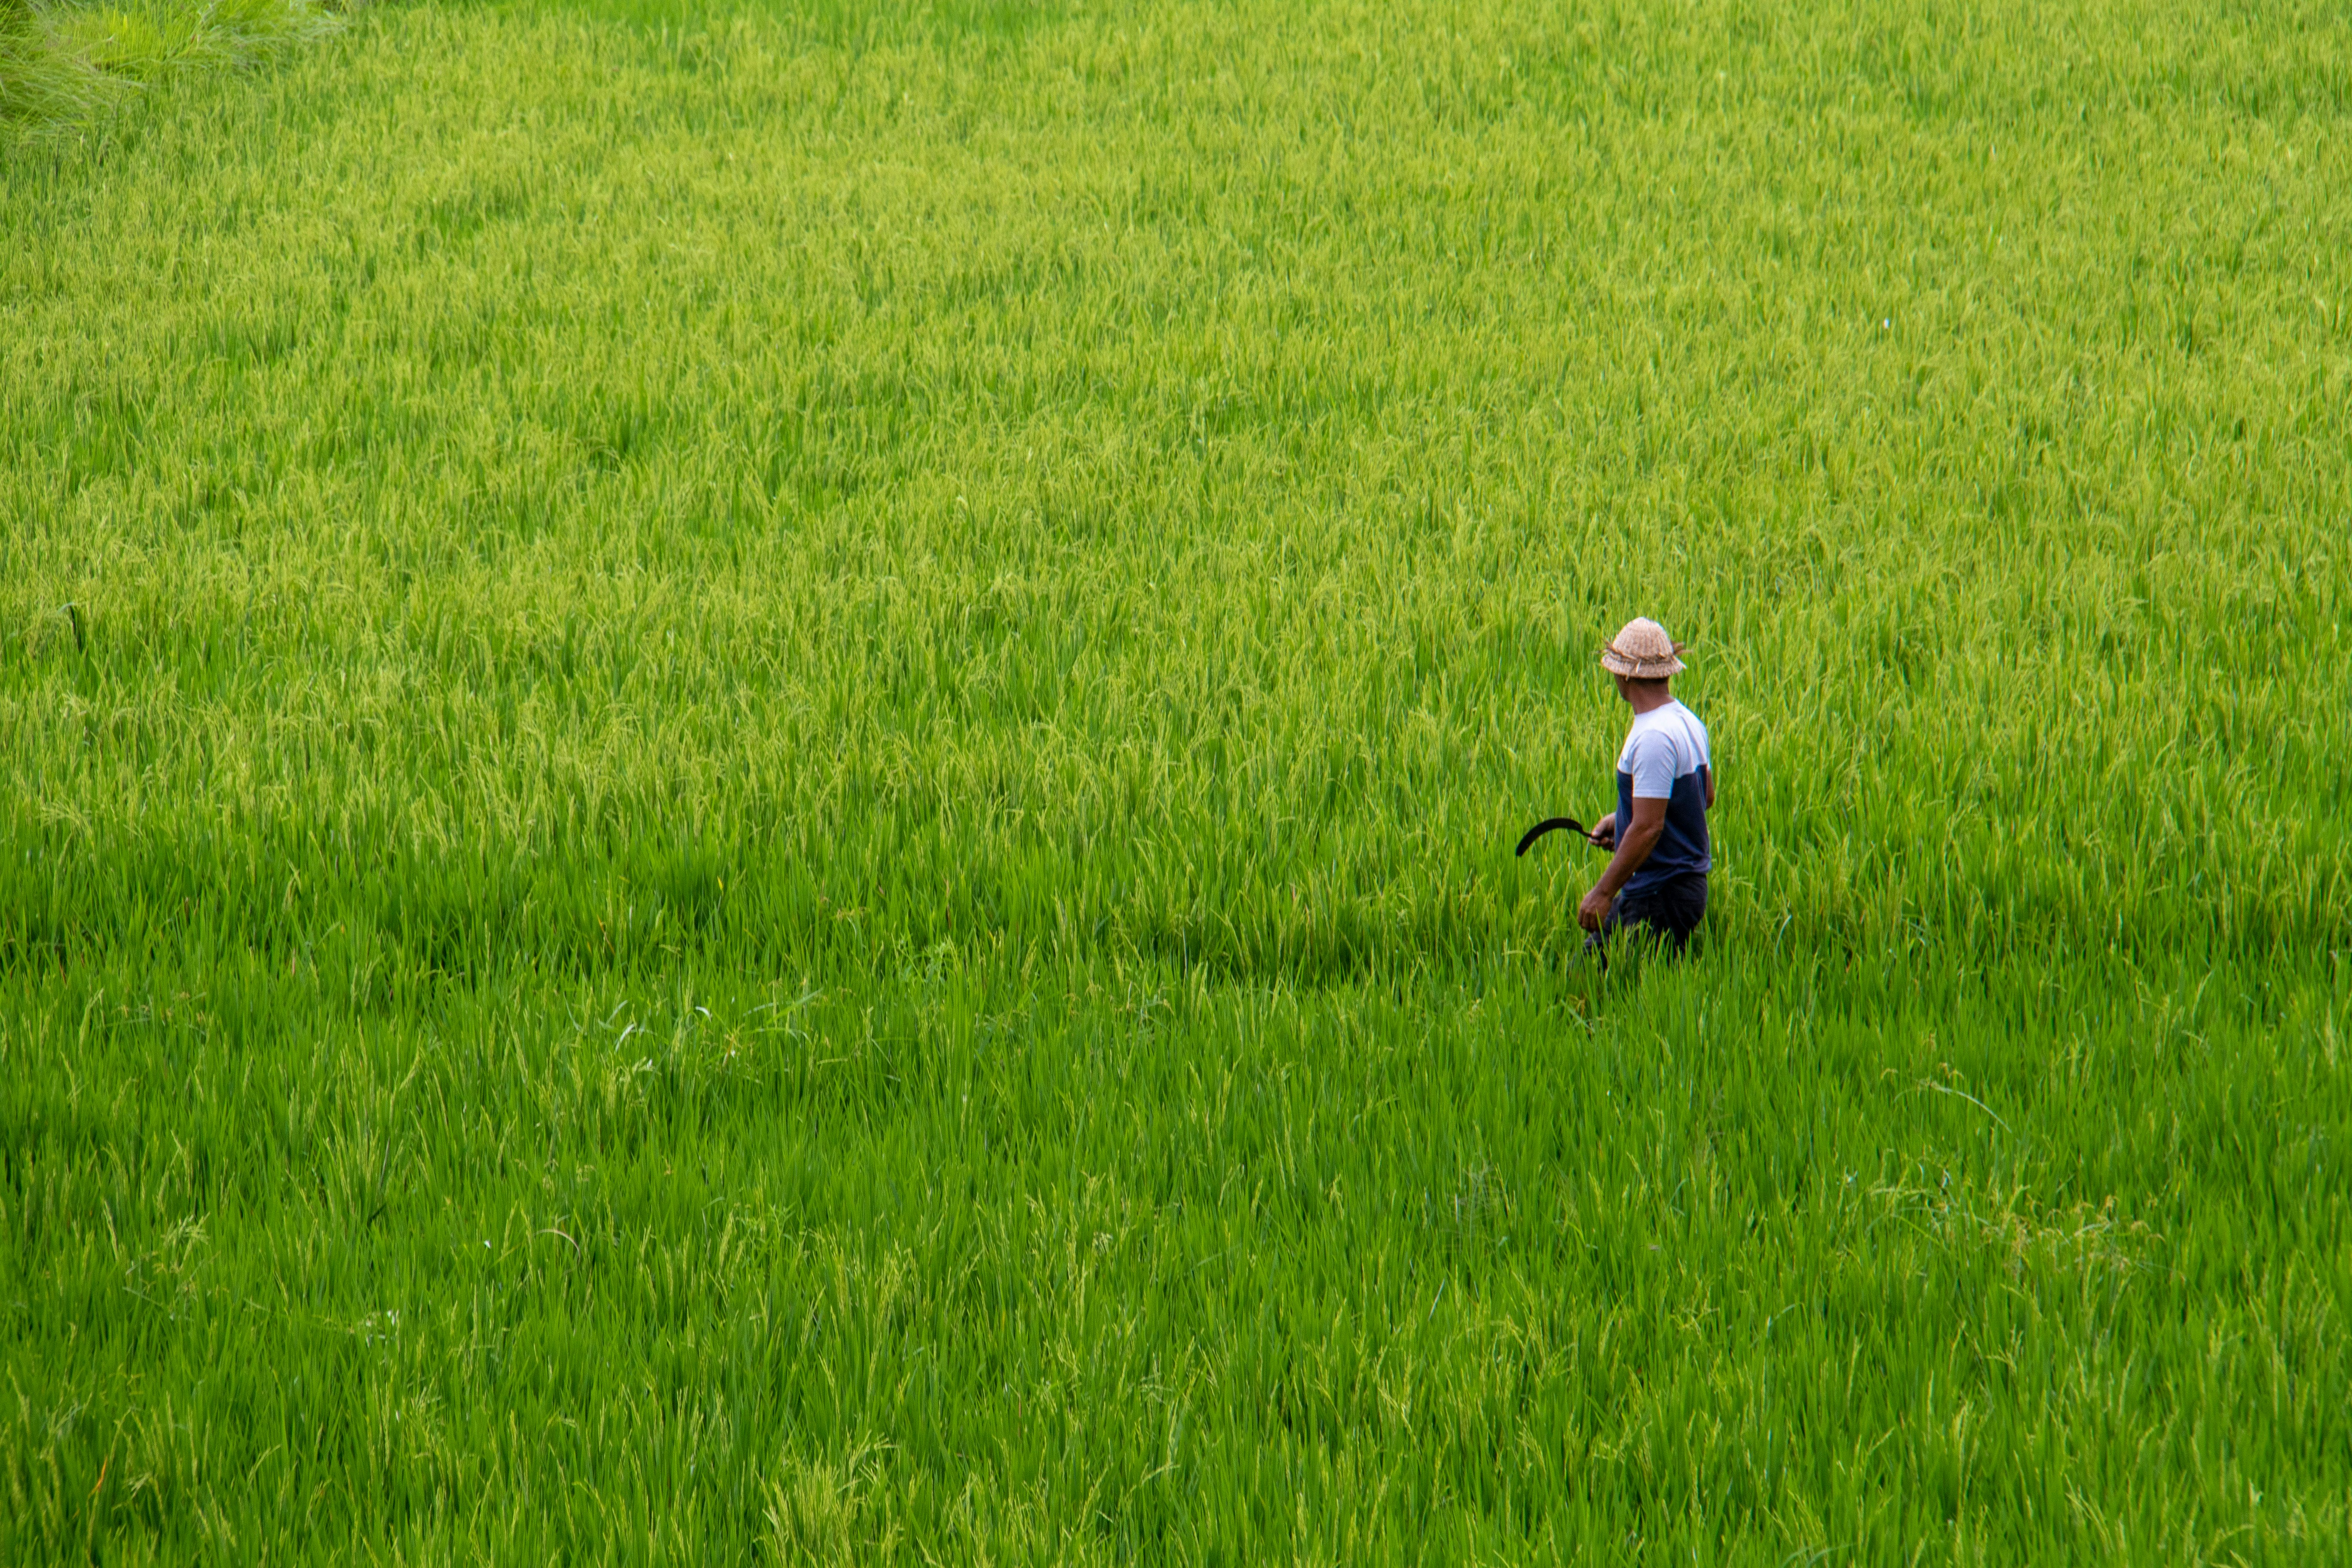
x,y
758,766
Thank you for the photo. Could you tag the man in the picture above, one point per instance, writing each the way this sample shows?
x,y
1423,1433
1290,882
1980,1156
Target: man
x,y
1656,882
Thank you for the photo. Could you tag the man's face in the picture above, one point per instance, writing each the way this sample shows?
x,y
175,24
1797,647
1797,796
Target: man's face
x,y
1624,687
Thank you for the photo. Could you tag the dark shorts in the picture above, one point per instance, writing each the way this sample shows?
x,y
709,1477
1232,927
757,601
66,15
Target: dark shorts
x,y
1665,914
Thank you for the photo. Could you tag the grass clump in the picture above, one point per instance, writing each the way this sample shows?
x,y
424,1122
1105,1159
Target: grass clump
x,y
63,65
42,79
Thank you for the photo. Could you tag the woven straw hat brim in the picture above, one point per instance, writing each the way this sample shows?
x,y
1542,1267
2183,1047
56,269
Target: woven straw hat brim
x,y
1616,663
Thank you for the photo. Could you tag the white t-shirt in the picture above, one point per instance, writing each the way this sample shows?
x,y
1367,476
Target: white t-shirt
x,y
1666,759
1664,744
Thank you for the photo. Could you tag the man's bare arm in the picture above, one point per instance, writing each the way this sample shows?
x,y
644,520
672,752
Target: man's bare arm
x,y
1633,847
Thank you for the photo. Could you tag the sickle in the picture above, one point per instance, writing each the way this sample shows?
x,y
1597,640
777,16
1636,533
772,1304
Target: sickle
x,y
1546,825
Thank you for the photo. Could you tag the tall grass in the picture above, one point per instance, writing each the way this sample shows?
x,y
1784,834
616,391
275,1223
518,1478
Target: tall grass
x,y
65,66
39,82
760,766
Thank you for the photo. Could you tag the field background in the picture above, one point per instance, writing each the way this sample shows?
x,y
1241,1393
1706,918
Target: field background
x,y
757,767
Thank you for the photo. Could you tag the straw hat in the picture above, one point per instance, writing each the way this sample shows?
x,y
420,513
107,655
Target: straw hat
x,y
1642,651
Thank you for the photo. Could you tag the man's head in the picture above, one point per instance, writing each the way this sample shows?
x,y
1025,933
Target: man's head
x,y
1645,661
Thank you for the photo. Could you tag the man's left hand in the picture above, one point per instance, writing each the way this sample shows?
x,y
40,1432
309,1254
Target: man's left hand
x,y
1594,908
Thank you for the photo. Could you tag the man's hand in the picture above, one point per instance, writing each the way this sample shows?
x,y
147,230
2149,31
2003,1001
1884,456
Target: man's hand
x,y
1604,832
1594,908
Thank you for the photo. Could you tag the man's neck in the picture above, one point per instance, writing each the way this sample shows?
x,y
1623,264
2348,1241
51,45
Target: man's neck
x,y
1650,701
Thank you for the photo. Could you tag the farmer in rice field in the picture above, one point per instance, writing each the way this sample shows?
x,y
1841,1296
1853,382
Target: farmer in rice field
x,y
1656,882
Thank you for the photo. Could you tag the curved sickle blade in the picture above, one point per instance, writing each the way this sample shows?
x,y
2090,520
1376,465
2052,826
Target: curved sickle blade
x,y
1546,825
